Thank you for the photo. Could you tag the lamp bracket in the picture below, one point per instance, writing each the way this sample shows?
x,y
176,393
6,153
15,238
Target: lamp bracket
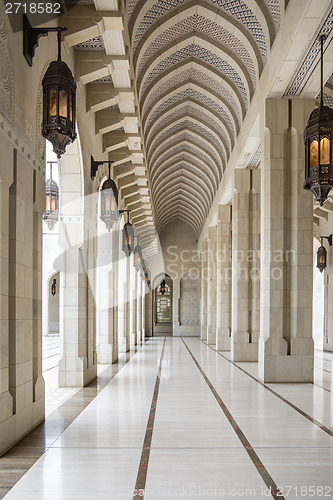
x,y
96,164
31,38
328,238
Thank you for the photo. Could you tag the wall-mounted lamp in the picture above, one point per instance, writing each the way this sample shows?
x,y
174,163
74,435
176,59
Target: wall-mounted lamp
x,y
54,287
322,253
128,235
59,90
109,195
51,213
137,257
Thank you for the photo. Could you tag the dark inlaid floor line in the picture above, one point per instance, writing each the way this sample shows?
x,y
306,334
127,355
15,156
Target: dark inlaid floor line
x,y
261,469
19,459
286,401
141,479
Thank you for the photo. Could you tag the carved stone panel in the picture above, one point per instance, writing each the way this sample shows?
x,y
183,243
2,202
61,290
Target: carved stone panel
x,y
189,301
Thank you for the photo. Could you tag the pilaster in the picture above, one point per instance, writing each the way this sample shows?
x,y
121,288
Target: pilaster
x,y
286,345
211,287
224,278
244,341
204,283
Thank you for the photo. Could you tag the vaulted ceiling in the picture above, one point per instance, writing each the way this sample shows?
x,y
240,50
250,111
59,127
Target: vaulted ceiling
x,y
196,65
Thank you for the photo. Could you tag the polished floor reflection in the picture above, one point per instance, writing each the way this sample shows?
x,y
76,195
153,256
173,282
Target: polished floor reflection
x,y
179,420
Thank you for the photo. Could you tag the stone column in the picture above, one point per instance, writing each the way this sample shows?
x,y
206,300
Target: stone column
x,y
76,367
104,344
224,276
6,398
212,287
140,287
123,299
328,301
243,346
114,280
22,200
204,282
286,345
254,263
133,302
143,312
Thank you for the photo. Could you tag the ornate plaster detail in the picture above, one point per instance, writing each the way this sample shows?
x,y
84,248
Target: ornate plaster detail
x,y
7,70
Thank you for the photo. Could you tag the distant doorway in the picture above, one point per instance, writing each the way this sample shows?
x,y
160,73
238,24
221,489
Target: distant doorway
x,y
162,306
54,287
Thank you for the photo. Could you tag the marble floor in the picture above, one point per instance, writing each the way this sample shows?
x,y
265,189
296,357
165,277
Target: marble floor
x,y
175,419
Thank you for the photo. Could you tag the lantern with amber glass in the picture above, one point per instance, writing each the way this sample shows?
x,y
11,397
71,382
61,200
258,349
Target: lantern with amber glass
x,y
162,290
128,236
109,202
148,277
138,258
51,214
54,287
318,138
59,98
322,253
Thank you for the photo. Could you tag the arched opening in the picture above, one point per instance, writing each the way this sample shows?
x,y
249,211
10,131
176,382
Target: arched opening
x,y
50,287
318,307
162,305
54,286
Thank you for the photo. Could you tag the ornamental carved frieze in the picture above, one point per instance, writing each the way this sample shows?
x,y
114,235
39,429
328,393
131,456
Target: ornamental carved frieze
x,y
6,68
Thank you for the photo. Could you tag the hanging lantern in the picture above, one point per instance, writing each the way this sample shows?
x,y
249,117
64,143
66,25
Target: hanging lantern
x,y
51,214
138,258
322,253
128,237
318,138
162,289
148,276
59,104
143,269
109,202
54,287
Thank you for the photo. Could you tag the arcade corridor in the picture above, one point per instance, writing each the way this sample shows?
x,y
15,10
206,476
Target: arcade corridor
x,y
198,443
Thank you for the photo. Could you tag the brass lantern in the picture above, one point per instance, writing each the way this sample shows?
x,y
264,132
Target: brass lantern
x,y
162,287
59,104
51,214
109,202
147,276
143,269
322,253
138,258
128,237
318,138
54,287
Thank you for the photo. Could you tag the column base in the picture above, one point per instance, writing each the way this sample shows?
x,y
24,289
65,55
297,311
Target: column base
x,y
72,372
39,389
203,335
282,367
124,347
211,335
133,339
6,406
16,426
223,339
107,355
242,349
139,336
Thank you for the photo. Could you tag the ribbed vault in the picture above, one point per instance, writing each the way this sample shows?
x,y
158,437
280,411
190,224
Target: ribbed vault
x,y
197,65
